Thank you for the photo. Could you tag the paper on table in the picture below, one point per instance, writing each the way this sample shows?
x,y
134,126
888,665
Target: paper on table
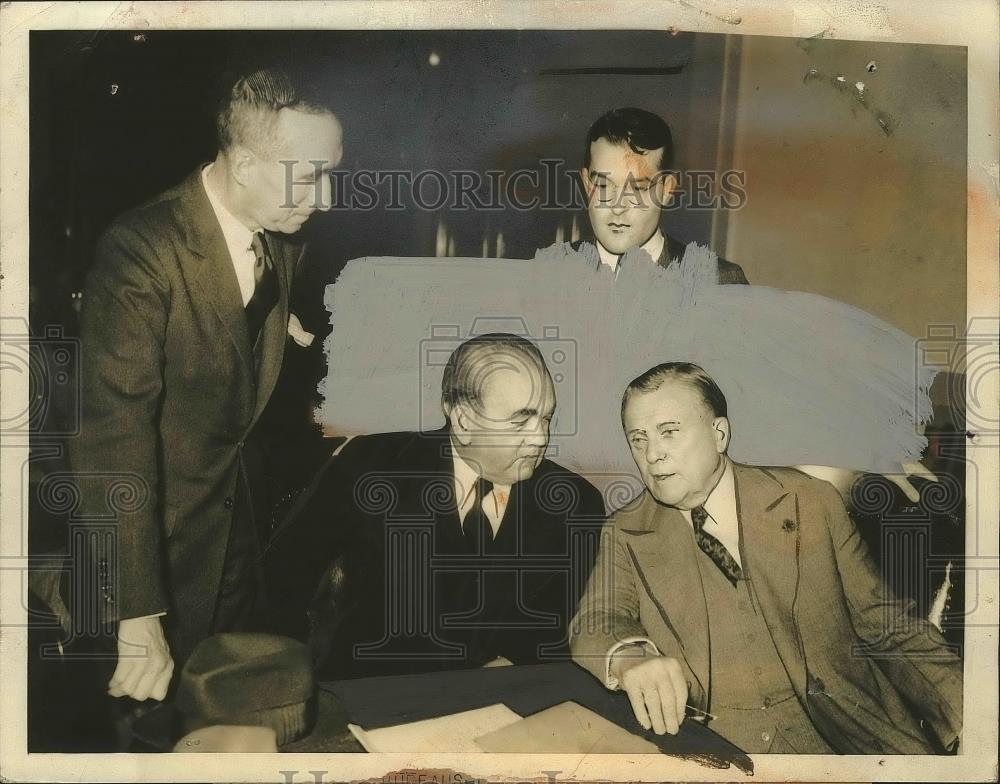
x,y
566,728
454,732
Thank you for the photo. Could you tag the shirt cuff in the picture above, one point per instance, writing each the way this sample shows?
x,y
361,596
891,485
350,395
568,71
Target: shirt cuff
x,y
143,617
650,648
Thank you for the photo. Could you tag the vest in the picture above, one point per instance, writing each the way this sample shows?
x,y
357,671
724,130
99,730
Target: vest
x,y
480,602
750,694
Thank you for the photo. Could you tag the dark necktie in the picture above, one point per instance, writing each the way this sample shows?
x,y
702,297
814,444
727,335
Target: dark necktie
x,y
265,291
477,528
713,548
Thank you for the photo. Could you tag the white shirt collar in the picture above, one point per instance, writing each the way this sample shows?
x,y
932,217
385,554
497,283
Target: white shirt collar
x,y
494,504
653,246
238,239
723,522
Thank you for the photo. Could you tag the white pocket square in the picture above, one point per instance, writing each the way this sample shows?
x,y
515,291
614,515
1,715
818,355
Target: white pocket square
x,y
298,334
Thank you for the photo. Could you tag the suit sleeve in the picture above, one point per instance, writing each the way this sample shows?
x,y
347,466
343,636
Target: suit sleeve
x,y
909,649
315,532
609,609
123,323
559,592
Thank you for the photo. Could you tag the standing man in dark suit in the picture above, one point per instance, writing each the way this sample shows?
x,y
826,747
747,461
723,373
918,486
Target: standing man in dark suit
x,y
749,594
184,324
453,547
626,177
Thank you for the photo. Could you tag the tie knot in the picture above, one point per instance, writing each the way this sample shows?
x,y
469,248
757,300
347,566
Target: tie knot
x,y
483,488
258,246
698,517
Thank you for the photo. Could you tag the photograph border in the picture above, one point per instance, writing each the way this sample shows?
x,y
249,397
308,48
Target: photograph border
x,y
972,24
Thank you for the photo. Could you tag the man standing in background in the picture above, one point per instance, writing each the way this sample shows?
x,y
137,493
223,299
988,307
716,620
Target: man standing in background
x,y
627,180
183,328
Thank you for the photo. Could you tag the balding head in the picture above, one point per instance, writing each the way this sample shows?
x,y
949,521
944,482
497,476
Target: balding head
x,y
498,398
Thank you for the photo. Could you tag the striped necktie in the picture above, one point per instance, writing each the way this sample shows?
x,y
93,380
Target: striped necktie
x,y
713,548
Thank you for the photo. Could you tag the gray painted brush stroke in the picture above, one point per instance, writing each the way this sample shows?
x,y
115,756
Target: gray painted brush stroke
x,y
809,380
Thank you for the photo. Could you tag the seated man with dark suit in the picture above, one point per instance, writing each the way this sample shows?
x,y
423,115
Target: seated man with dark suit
x,y
626,177
748,594
445,549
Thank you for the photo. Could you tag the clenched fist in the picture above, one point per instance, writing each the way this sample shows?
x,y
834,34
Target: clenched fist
x,y
656,688
144,662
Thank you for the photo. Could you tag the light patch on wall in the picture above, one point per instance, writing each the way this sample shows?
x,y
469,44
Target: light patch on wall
x,y
809,380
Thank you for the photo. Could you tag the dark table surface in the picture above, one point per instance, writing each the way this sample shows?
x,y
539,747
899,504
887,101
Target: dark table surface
x,y
384,702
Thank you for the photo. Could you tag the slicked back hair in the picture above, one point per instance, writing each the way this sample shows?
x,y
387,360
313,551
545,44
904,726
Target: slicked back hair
x,y
690,374
248,113
640,130
472,362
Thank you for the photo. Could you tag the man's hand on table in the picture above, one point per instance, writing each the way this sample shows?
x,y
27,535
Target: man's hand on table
x,y
656,687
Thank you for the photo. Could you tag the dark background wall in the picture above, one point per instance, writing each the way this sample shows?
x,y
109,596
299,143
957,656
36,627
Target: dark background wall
x,y
835,204
117,117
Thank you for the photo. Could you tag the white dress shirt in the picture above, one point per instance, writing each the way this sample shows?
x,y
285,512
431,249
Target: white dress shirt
x,y
722,523
494,503
238,240
653,246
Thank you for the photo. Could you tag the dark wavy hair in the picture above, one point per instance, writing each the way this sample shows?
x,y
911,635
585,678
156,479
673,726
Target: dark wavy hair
x,y
640,130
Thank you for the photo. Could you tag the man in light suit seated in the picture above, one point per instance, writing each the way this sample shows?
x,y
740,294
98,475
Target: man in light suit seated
x,y
746,595
444,549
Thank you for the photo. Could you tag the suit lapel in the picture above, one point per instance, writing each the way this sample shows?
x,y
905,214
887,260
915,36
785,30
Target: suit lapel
x,y
769,549
433,457
663,549
215,276
522,518
768,529
672,249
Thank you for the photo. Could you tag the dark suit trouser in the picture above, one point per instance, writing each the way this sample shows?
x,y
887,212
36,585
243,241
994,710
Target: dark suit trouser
x,y
241,593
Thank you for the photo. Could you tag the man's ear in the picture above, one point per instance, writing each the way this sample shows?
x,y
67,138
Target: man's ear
x,y
665,186
588,186
721,427
461,424
241,161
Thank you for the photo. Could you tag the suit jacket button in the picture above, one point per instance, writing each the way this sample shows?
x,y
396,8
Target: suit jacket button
x,y
228,503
